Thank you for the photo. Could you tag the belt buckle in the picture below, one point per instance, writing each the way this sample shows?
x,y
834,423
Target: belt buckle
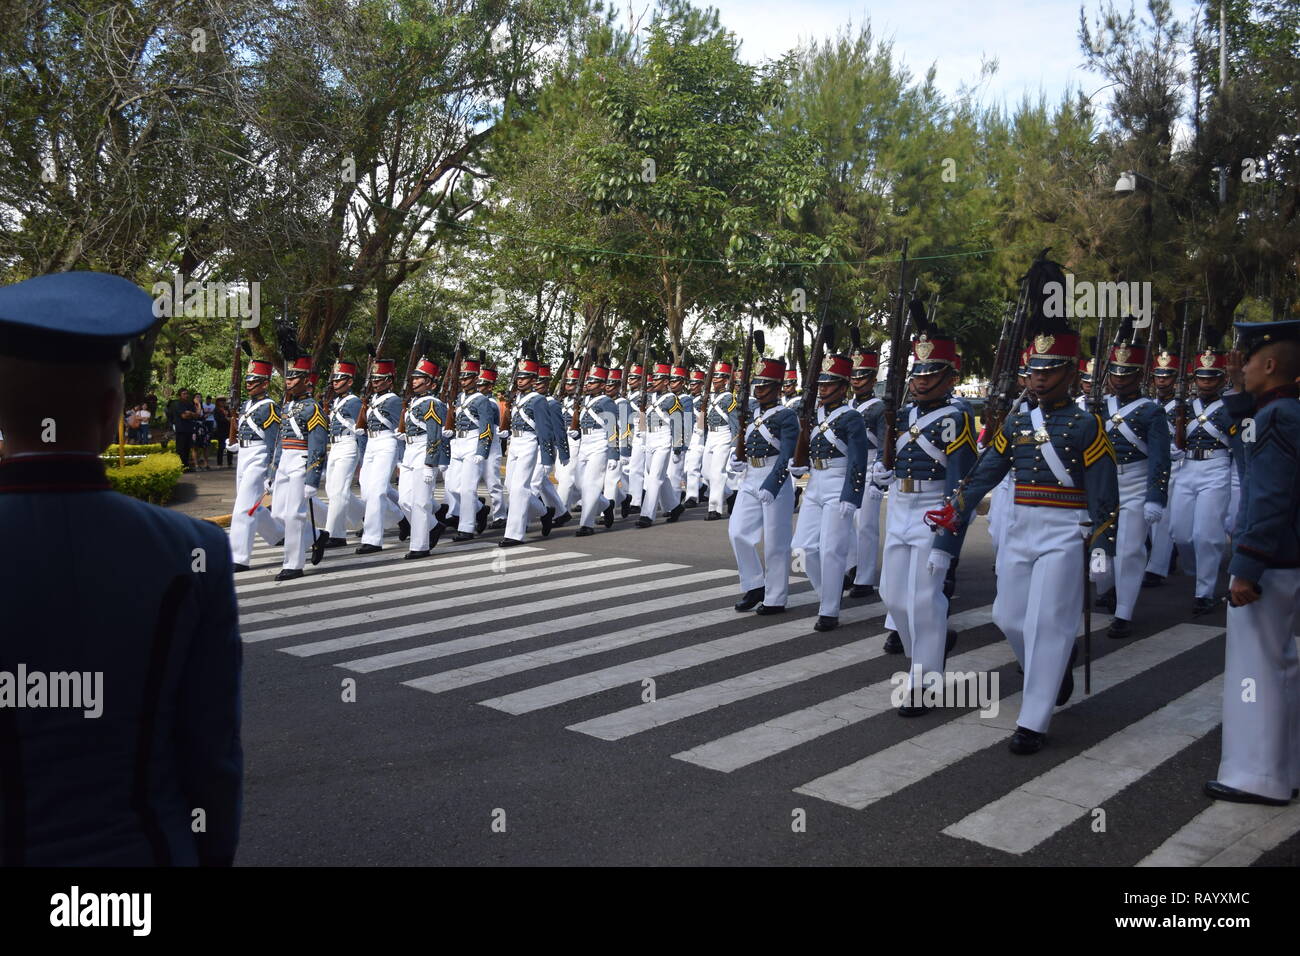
x,y
907,485
821,464
755,461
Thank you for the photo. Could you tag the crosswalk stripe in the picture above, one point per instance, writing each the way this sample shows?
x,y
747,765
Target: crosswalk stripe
x,y
484,594
697,700
509,635
473,618
885,772
364,567
427,584
502,667
791,730
1227,834
584,685
1038,808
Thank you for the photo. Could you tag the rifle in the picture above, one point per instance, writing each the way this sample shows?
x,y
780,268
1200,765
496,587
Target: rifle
x,y
417,350
1180,391
809,405
706,393
452,373
507,403
372,352
588,359
627,357
328,399
754,340
645,379
897,363
1145,387
234,387
1006,363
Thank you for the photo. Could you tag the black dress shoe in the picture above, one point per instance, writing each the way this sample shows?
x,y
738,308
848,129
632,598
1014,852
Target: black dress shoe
x,y
289,574
751,600
950,641
893,643
584,532
548,521
714,516
913,710
798,496
508,543
415,555
280,543
441,513
318,547
862,591
1221,791
562,518
1106,603
607,516
1152,580
691,503
625,505
704,493
1204,605
403,529
1119,628
1026,741
435,533
368,549
825,623
335,543
644,522
236,568
731,502
769,609
633,510
481,518
460,536
1067,681
498,524
675,514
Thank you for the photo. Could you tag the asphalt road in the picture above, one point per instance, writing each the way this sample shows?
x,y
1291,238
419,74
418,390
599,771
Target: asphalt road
x,y
526,740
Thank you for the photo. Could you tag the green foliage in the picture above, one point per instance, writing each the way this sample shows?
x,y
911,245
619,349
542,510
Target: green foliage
x,y
153,479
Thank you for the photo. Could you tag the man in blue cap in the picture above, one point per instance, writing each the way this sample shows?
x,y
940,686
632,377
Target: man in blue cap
x,y
1260,761
119,711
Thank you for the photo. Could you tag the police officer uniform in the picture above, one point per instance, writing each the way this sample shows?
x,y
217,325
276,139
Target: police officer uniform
x,y
837,456
764,507
299,463
147,601
347,443
258,429
665,439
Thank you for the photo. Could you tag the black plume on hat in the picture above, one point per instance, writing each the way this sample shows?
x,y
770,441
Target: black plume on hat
x,y
245,347
1213,338
829,338
760,343
1124,336
855,337
288,341
1042,273
1161,339
916,308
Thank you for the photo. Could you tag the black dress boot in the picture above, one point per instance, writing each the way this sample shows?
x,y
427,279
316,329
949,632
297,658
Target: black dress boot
x,y
750,600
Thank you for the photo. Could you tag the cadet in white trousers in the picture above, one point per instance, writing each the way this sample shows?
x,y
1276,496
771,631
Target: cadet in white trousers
x,y
764,509
531,443
299,462
694,467
258,429
487,382
615,471
597,437
1260,760
383,413
423,422
865,557
677,463
1164,375
665,443
567,481
556,513
722,418
346,510
634,475
474,419
837,456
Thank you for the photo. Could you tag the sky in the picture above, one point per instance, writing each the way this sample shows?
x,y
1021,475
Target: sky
x,y
1035,41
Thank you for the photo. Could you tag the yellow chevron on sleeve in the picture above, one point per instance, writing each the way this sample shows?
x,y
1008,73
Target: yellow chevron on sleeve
x,y
965,438
735,403
271,416
1100,446
485,433
432,414
677,405
317,420
1000,442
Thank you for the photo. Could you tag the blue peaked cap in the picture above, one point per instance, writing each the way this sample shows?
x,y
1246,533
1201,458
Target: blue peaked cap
x,y
73,317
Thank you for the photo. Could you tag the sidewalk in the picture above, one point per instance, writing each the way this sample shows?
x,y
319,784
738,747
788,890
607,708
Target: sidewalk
x,y
205,494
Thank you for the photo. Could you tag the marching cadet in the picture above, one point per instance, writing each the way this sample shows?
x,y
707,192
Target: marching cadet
x,y
556,512
531,443
677,463
487,383
765,505
1139,433
615,475
1164,376
259,435
1199,508
837,454
723,412
866,538
422,423
347,443
146,605
791,397
934,449
1085,377
597,447
568,484
1260,760
665,439
634,472
383,414
1065,510
473,419
696,485
1002,498
299,461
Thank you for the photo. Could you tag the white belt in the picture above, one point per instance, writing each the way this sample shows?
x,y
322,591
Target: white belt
x,y
760,462
377,432
1206,454
917,486
828,464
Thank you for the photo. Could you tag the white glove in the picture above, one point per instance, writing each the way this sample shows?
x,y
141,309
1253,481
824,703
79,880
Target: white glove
x,y
503,433
232,445
266,487
881,475
798,471
360,432
1153,512
938,562
875,492
309,491
476,460
574,434
847,508
1098,572
765,496
428,477
1177,454
677,457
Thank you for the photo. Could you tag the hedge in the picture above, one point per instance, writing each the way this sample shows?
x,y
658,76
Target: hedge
x,y
153,479
151,449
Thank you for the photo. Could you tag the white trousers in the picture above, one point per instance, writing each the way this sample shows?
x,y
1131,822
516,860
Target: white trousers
x,y
866,535
774,525
415,482
250,486
1001,502
289,506
660,492
1130,539
1039,606
591,460
1199,505
568,483
1162,542
461,484
694,465
636,467
521,464
346,510
542,485
492,475
717,455
824,535
376,481
615,481
1261,690
913,596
